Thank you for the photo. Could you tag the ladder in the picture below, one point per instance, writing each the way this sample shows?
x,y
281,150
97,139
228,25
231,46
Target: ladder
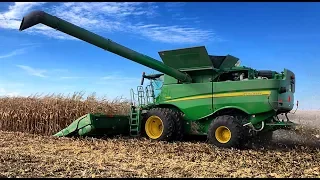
x,y
135,123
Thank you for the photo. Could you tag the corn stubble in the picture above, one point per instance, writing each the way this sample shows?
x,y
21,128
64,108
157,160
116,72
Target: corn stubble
x,y
28,153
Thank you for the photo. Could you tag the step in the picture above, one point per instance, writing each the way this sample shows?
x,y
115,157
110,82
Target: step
x,y
134,129
134,122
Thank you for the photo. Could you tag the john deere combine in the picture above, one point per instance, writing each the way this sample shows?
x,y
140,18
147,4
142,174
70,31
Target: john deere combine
x,y
200,94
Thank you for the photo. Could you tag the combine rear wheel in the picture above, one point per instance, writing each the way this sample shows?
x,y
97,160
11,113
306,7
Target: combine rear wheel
x,y
179,129
226,131
159,124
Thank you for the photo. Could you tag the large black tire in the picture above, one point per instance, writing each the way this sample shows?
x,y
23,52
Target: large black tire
x,y
235,133
178,125
157,117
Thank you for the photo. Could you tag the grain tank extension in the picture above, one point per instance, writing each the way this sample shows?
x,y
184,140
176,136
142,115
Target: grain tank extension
x,y
200,94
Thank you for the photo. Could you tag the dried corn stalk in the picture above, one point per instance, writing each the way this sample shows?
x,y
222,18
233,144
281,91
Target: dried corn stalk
x,y
49,114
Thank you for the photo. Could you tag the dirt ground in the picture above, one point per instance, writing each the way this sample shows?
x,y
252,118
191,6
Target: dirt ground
x,y
291,154
308,131
306,117
26,155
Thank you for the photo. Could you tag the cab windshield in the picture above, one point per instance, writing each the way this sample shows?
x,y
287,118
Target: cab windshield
x,y
157,85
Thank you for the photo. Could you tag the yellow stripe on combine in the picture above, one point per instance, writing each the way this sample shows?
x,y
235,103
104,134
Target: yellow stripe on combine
x,y
233,94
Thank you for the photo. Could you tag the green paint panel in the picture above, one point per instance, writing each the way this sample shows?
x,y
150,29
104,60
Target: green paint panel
x,y
228,62
196,57
205,106
96,124
200,100
195,109
73,128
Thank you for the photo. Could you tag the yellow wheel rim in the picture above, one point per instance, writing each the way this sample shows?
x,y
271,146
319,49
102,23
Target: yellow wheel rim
x,y
223,134
154,127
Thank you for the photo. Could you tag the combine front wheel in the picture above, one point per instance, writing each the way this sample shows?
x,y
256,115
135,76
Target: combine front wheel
x,y
225,131
159,124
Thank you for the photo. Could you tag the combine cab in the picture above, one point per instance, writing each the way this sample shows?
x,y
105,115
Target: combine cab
x,y
195,93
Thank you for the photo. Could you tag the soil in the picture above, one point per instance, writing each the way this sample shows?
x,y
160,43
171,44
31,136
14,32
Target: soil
x,y
27,155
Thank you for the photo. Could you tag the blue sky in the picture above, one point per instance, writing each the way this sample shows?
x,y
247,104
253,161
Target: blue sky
x,y
263,35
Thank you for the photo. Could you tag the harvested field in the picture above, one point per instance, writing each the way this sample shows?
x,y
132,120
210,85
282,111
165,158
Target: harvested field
x,y
26,155
34,154
307,133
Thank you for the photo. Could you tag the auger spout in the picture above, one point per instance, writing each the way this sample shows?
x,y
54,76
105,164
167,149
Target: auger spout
x,y
42,17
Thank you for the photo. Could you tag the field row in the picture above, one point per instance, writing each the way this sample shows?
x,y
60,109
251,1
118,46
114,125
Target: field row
x,y
26,155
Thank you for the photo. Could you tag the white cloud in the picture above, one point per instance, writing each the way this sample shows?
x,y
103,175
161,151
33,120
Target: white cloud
x,y
27,46
72,77
117,78
13,53
174,4
11,84
114,77
4,92
11,19
32,71
12,94
30,44
107,17
60,70
173,34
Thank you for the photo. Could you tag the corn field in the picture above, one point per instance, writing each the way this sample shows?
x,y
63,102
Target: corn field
x,y
48,114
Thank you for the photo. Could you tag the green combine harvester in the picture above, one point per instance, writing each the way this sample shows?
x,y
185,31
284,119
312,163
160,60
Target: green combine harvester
x,y
200,94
